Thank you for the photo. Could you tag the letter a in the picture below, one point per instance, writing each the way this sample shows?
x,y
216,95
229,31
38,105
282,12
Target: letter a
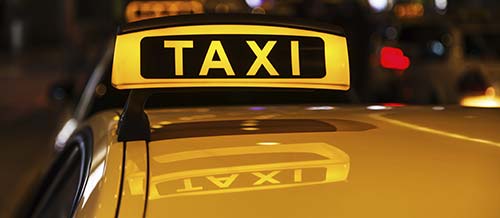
x,y
223,182
209,63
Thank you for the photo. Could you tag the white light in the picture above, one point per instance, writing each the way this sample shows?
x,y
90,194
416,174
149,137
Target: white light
x,y
320,108
377,107
254,3
441,4
65,133
94,178
438,108
378,5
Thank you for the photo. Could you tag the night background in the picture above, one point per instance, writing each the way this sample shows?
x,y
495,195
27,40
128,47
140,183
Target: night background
x,y
49,49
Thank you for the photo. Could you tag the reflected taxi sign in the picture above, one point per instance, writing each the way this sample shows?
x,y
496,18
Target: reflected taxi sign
x,y
251,51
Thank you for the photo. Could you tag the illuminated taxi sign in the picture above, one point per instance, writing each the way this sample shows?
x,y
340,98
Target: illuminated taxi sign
x,y
230,55
253,56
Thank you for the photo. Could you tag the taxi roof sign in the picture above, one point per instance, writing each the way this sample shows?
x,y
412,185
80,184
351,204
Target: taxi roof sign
x,y
230,51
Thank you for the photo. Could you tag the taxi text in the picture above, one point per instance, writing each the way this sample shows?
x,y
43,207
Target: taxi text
x,y
216,48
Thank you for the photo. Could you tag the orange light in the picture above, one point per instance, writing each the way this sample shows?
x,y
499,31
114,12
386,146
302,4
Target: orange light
x,y
488,100
490,91
409,10
393,58
141,10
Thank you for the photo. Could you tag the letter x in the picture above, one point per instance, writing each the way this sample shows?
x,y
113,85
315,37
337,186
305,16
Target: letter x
x,y
261,58
266,178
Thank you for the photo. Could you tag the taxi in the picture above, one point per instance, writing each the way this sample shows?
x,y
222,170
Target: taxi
x,y
254,159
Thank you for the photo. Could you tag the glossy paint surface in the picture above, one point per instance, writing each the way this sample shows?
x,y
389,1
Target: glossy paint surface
x,y
316,161
394,162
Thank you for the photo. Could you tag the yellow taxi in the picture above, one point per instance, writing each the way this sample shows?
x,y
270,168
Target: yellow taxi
x,y
254,159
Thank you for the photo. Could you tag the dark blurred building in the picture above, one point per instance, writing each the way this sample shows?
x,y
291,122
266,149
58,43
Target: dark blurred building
x,y
55,25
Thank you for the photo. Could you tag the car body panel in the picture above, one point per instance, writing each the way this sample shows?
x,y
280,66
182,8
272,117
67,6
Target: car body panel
x,y
401,162
299,161
134,186
101,193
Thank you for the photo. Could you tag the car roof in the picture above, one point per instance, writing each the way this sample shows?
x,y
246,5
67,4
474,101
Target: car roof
x,y
384,150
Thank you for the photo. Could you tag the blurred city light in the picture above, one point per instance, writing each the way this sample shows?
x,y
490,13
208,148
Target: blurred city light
x,y
257,108
393,58
254,3
379,5
438,108
141,10
437,48
394,104
441,4
378,107
409,10
488,100
481,101
490,91
320,108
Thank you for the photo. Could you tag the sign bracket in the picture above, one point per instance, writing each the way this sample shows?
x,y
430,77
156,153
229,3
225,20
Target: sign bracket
x,y
134,122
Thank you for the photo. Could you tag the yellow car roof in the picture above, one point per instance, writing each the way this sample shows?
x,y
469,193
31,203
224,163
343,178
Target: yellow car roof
x,y
322,161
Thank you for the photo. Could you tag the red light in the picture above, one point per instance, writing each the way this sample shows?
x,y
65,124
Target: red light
x,y
393,104
393,58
